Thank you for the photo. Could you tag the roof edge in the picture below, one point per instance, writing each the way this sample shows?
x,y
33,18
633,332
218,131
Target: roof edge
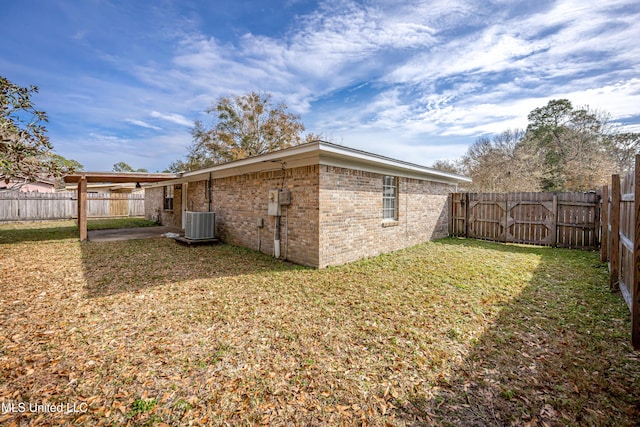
x,y
118,177
324,147
388,161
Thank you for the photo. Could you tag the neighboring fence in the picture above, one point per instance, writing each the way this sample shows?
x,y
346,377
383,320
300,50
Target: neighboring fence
x,y
17,206
621,241
114,205
552,219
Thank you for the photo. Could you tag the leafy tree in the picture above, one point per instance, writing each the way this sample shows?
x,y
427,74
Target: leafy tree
x,y
243,126
125,167
573,146
563,149
194,162
25,148
180,166
122,167
64,164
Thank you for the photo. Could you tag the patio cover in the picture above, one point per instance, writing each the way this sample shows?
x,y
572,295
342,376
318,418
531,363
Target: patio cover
x,y
82,178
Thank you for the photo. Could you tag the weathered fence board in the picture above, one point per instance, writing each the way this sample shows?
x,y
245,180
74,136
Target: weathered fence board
x,y
17,206
621,224
605,227
550,219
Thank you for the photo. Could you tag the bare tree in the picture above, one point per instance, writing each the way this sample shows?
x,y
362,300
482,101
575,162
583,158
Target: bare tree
x,y
625,146
500,164
563,149
447,166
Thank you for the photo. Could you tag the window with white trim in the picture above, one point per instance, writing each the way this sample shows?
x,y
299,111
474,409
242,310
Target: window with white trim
x,y
168,197
389,198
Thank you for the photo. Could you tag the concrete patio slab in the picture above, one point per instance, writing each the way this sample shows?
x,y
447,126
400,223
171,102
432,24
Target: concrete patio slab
x,y
130,233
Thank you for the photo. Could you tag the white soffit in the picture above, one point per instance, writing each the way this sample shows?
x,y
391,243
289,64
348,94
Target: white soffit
x,y
322,153
332,155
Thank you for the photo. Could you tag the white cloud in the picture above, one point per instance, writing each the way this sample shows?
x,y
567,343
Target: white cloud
x,y
421,150
621,99
142,124
410,48
103,142
172,117
457,74
426,71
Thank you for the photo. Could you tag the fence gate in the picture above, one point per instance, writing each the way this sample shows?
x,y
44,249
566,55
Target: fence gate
x,y
550,219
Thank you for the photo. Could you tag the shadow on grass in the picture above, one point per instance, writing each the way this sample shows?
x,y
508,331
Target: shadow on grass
x,y
134,265
551,357
556,353
35,232
41,231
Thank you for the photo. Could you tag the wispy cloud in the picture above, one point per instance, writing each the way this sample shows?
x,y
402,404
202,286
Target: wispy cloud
x,y
460,74
142,124
172,117
391,75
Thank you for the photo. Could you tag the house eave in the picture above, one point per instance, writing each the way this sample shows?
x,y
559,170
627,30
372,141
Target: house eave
x,y
117,177
339,156
323,153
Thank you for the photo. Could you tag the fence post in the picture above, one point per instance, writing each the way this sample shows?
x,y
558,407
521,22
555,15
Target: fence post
x,y
451,214
19,193
466,215
635,285
614,250
82,209
554,217
604,225
506,218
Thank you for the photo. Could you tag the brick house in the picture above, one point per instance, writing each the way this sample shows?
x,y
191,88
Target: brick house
x,y
341,204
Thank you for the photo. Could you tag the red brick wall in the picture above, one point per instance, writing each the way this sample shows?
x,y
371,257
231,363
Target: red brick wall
x,y
345,204
154,202
351,215
240,201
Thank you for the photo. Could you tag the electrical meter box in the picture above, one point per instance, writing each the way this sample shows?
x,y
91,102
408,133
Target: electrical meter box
x,y
278,198
274,203
284,197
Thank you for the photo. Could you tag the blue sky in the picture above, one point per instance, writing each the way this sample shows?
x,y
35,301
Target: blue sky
x,y
416,80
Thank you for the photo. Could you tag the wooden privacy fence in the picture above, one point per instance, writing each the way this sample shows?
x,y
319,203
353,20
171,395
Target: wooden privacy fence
x,y
17,206
621,241
569,220
114,205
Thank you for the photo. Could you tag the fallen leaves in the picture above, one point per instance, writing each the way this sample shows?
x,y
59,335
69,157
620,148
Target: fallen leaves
x,y
448,332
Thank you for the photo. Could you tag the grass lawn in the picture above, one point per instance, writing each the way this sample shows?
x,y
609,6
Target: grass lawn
x,y
110,223
453,332
12,232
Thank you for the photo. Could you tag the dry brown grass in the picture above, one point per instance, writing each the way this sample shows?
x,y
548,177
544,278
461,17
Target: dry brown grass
x,y
452,332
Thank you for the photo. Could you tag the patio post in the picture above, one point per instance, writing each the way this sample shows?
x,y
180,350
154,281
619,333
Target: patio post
x,y
82,208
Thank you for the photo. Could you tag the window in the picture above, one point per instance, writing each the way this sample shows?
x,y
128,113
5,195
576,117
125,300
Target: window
x,y
168,197
389,198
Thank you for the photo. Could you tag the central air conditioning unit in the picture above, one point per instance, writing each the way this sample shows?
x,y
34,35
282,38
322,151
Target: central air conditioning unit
x,y
200,225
